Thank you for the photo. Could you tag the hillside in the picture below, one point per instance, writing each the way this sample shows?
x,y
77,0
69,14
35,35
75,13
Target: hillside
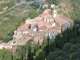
x,y
70,8
11,19
66,45
6,4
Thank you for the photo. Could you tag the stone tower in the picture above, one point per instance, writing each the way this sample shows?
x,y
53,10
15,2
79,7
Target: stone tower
x,y
54,12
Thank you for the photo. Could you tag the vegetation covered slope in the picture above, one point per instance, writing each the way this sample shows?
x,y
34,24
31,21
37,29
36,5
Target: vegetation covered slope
x,y
8,3
11,19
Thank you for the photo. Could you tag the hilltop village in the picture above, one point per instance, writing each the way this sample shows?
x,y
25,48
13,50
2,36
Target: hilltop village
x,y
49,23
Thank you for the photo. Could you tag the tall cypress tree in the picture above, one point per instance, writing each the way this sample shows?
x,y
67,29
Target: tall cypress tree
x,y
67,34
46,46
22,56
30,55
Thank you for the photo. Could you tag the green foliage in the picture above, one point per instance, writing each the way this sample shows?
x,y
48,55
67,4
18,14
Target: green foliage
x,y
73,56
5,54
33,14
9,4
60,58
53,55
67,47
67,43
60,11
74,48
73,41
60,41
78,52
40,55
8,26
35,5
32,51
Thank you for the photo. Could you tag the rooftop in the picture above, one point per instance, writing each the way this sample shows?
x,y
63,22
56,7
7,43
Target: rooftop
x,y
23,34
23,26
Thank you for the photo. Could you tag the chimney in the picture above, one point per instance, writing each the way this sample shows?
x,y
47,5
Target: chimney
x,y
29,26
37,28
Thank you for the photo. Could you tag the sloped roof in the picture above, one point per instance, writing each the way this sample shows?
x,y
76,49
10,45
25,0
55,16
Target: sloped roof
x,y
42,27
56,27
23,26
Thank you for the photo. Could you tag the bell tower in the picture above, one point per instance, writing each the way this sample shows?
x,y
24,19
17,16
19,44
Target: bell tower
x,y
54,12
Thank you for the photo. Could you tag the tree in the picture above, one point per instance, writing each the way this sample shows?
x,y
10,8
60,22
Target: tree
x,y
11,57
33,14
40,55
53,55
67,47
60,41
78,51
73,56
52,47
73,41
74,48
60,58
35,4
22,57
46,48
30,55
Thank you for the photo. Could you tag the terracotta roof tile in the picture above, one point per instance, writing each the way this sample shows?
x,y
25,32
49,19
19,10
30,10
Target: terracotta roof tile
x,y
42,27
23,26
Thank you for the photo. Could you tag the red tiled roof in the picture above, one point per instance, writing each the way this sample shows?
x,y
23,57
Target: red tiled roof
x,y
47,15
23,26
42,27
